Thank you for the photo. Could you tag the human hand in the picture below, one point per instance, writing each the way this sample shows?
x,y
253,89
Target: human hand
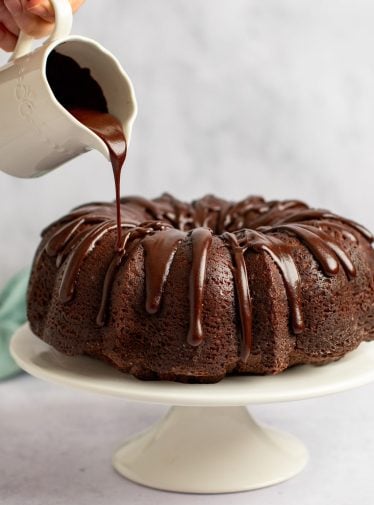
x,y
34,17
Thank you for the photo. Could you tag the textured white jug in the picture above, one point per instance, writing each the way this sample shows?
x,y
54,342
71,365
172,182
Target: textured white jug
x,y
37,134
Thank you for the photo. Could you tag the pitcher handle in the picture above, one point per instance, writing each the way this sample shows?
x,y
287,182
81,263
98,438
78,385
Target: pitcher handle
x,y
62,28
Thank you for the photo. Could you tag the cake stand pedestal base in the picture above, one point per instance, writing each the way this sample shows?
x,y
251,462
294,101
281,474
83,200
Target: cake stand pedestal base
x,y
210,450
208,442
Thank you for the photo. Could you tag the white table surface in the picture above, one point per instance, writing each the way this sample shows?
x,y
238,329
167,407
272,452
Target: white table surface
x,y
56,446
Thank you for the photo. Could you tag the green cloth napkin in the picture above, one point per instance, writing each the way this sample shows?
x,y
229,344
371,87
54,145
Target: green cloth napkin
x,y
12,315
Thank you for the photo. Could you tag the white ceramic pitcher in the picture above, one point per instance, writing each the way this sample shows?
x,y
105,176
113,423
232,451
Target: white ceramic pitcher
x,y
37,134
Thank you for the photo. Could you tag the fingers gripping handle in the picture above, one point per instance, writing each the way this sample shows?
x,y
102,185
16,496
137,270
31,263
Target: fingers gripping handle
x,y
62,28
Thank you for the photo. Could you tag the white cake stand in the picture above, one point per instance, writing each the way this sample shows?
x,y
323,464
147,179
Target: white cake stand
x,y
208,442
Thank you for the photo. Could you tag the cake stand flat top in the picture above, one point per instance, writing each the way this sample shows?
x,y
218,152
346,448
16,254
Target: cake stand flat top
x,y
297,383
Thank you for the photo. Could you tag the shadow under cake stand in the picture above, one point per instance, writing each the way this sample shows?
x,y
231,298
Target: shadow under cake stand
x,y
208,442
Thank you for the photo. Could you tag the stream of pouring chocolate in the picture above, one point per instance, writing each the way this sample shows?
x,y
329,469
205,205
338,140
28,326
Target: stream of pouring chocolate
x,y
110,130
82,96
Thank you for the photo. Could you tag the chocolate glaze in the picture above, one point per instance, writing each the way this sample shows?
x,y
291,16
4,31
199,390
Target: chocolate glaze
x,y
159,250
252,240
130,240
159,226
243,293
85,242
201,241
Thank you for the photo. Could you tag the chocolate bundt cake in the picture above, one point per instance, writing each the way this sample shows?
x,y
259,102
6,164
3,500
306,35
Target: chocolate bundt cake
x,y
194,292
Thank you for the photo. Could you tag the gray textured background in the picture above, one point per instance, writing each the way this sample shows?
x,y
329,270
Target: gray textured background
x,y
235,97
274,97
